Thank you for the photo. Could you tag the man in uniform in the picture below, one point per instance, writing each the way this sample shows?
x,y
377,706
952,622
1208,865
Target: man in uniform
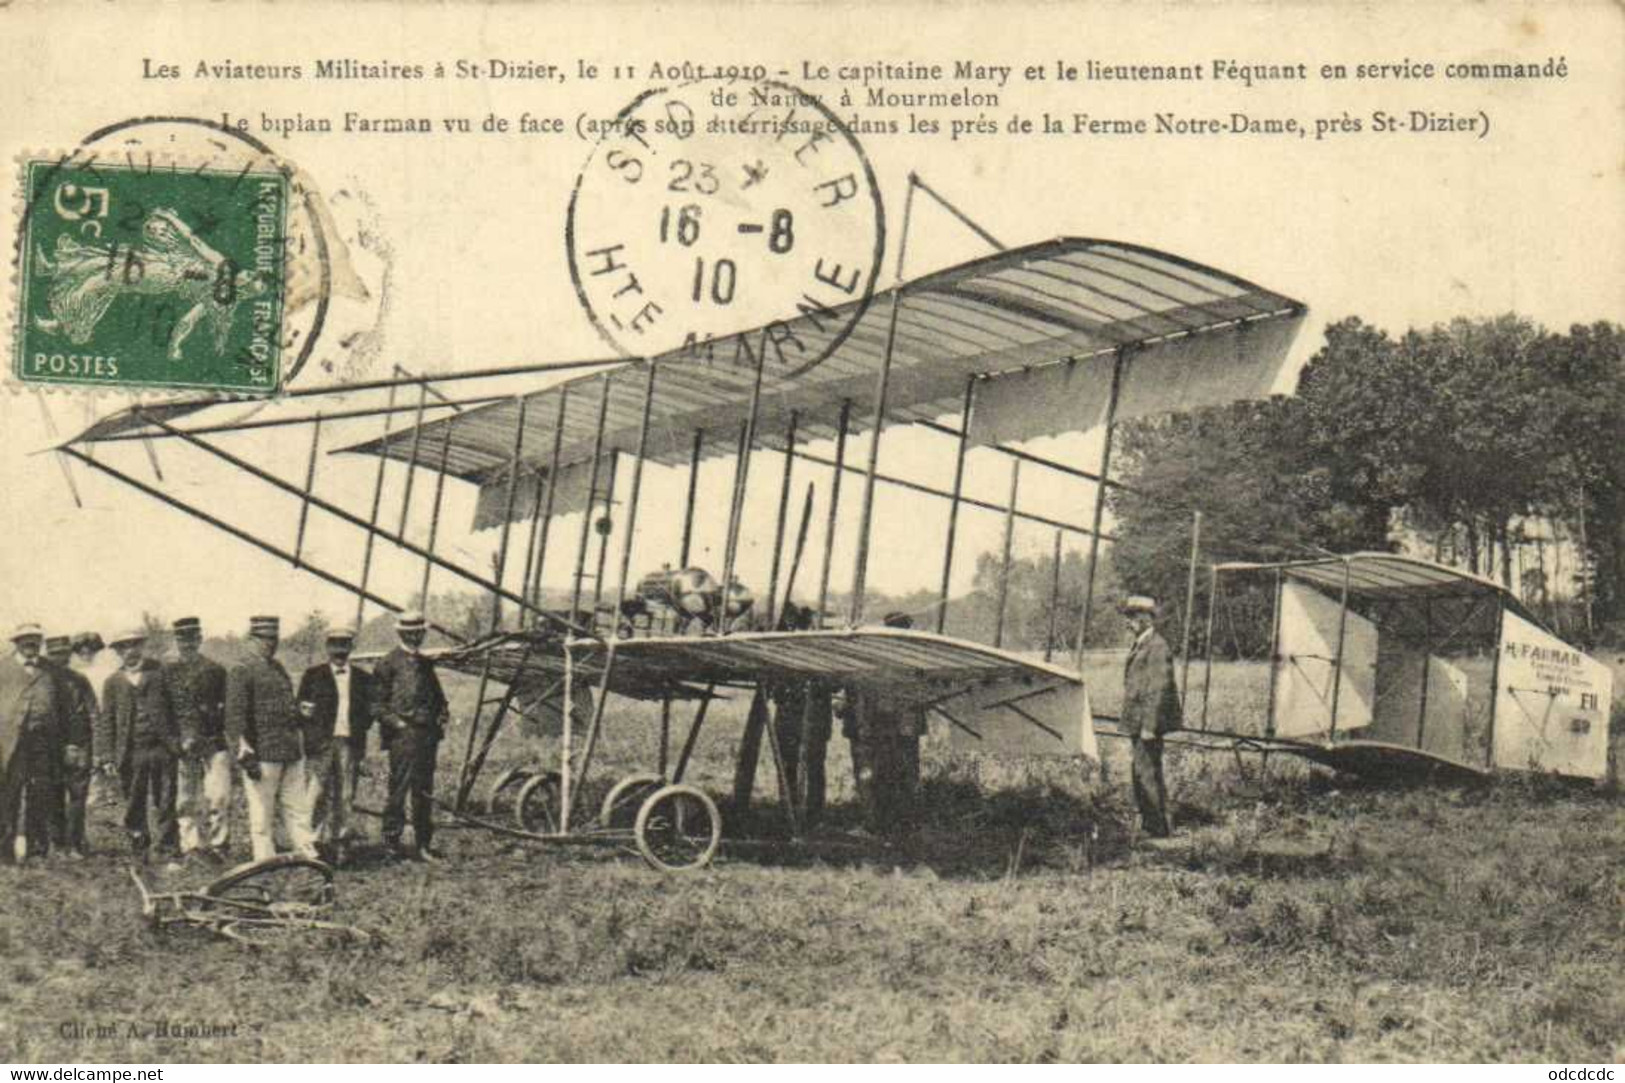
x,y
335,699
203,786
411,714
265,733
139,740
75,768
33,716
1150,709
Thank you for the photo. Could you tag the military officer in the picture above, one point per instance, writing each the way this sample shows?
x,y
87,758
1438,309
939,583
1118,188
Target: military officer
x,y
75,768
33,716
411,711
265,732
1150,709
139,740
203,783
335,699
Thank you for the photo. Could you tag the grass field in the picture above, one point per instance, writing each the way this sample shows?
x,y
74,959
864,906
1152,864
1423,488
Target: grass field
x,y
1298,917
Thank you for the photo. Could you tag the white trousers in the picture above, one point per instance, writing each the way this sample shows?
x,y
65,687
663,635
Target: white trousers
x,y
203,801
282,794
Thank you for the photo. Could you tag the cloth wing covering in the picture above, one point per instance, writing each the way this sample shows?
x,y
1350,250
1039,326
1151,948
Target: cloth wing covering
x,y
1209,369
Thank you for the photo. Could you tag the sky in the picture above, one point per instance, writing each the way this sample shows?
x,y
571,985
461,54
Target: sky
x,y
460,243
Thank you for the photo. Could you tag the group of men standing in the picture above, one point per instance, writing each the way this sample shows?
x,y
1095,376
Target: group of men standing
x,y
175,734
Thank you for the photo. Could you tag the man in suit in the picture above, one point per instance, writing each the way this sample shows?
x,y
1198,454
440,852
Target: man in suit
x,y
335,699
1150,709
140,741
266,734
411,711
75,766
33,717
203,782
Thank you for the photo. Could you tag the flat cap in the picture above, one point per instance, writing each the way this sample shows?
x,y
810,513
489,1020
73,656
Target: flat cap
x,y
132,635
342,632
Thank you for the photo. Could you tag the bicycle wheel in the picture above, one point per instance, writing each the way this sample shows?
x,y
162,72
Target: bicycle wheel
x,y
678,828
621,803
505,786
285,882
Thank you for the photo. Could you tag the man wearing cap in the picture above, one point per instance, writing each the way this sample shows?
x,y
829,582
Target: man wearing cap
x,y
411,709
139,739
75,766
33,716
335,699
264,730
1150,709
203,784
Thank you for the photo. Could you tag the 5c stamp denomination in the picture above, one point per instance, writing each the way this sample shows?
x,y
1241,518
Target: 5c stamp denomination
x,y
152,274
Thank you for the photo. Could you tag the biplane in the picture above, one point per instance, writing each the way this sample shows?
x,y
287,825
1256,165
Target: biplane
x,y
1064,336
1379,663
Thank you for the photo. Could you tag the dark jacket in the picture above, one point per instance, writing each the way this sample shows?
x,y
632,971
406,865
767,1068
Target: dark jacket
x,y
136,718
32,703
407,693
1150,696
260,710
320,687
197,687
83,716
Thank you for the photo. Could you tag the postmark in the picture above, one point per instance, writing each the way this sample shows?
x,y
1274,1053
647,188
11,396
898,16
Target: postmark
x,y
162,207
738,222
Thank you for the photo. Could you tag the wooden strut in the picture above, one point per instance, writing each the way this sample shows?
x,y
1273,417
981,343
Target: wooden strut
x,y
860,569
310,485
688,503
412,462
434,513
1054,597
736,513
592,494
632,497
603,536
1427,654
784,514
471,769
1004,562
467,782
1275,650
596,727
514,464
548,500
1185,634
372,520
1119,362
834,509
693,734
1212,610
953,502
1342,627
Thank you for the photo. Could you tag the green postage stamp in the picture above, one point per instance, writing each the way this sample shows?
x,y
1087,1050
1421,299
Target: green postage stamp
x,y
151,275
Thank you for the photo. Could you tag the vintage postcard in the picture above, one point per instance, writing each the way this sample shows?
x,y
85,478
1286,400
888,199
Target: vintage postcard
x,y
909,532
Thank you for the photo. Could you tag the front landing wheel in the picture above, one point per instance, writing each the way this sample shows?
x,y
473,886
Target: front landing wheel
x,y
678,828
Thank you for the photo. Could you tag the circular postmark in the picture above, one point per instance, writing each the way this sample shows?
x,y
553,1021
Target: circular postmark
x,y
173,252
731,221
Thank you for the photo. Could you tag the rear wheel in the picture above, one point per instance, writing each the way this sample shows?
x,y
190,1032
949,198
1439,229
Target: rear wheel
x,y
621,804
506,787
678,828
536,809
